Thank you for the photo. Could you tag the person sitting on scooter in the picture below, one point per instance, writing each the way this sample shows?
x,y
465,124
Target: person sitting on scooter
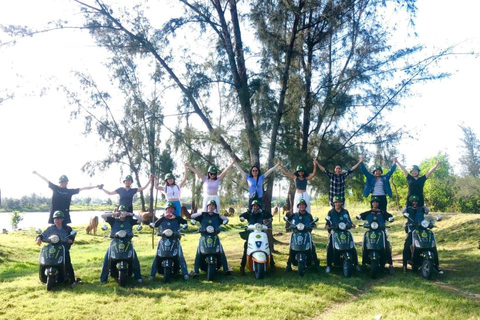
x,y
121,220
62,231
417,214
253,216
302,216
174,223
216,220
375,210
337,214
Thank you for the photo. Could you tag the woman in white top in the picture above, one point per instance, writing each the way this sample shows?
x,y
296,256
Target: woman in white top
x,y
171,190
211,183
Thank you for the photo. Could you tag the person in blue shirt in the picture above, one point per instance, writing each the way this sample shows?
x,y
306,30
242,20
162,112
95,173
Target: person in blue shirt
x,y
255,181
121,220
126,193
378,184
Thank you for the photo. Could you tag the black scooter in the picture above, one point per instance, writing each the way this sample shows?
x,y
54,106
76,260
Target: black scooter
x,y
343,246
209,248
167,258
301,245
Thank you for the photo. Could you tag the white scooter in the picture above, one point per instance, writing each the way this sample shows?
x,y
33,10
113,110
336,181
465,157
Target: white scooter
x,y
258,249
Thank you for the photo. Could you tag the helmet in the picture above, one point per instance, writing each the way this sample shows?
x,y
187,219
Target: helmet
x,y
58,214
378,168
212,202
301,168
374,199
169,176
122,208
257,202
169,205
415,167
302,201
63,179
337,199
128,178
212,169
413,198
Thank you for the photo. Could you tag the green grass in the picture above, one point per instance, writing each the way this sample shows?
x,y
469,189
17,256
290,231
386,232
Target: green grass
x,y
455,295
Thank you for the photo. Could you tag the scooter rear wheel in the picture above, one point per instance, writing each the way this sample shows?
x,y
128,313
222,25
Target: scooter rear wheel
x,y
427,269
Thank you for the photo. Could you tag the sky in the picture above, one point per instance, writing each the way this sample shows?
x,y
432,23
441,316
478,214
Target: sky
x,y
36,132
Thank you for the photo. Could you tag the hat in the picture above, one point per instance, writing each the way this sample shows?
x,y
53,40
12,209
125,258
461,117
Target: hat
x,y
337,199
63,179
129,177
58,214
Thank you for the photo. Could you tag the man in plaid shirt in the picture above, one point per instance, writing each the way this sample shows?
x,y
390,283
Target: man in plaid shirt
x,y
337,180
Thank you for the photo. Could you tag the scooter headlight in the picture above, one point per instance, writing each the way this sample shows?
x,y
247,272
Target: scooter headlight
x,y
342,225
210,229
168,232
374,225
54,238
258,227
425,223
300,226
122,234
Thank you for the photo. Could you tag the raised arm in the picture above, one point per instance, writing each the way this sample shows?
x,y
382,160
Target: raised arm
x,y
244,175
222,175
431,170
41,177
285,172
199,175
110,193
358,163
89,187
185,175
148,183
266,174
322,168
405,172
311,175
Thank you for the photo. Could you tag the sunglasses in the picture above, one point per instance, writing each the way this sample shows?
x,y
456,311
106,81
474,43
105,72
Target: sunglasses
x,y
212,173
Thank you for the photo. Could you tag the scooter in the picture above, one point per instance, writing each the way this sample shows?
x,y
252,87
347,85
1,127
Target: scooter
x,y
423,246
167,258
374,243
301,245
121,255
52,260
209,248
258,249
343,246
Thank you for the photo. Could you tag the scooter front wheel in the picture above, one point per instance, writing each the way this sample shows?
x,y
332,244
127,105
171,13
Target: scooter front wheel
x,y
210,272
374,267
122,277
427,269
347,268
301,268
50,282
167,273
260,269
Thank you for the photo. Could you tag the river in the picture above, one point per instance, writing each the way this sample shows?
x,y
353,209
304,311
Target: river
x,y
39,219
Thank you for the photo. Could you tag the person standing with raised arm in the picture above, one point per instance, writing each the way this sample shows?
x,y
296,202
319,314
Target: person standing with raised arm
x,y
62,197
300,178
255,181
338,179
171,190
126,192
416,182
211,184
377,184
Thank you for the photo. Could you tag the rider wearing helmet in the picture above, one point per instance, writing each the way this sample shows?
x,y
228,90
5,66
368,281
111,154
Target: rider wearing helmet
x,y
62,197
253,216
302,216
171,190
121,220
338,214
300,177
416,182
211,184
211,217
63,232
378,184
173,222
375,210
416,214
126,193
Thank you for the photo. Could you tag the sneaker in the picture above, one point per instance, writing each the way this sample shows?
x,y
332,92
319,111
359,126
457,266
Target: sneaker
x,y
74,285
242,270
151,278
186,276
328,269
195,274
228,273
103,281
139,280
288,268
440,271
78,280
357,267
404,269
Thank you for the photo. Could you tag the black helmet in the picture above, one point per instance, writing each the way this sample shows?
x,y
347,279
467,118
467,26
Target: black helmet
x,y
302,201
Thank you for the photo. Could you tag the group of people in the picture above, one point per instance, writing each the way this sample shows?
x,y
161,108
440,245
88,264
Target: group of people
x,y
377,186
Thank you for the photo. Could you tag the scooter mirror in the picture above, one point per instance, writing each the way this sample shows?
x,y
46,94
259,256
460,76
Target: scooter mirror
x,y
104,227
139,227
438,218
38,231
316,219
193,221
327,218
73,233
285,218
